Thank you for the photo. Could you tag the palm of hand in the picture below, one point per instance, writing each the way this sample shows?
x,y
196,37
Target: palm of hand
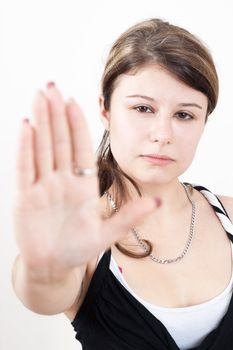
x,y
57,216
54,220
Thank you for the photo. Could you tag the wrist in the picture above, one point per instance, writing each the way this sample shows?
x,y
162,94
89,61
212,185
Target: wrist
x,y
41,274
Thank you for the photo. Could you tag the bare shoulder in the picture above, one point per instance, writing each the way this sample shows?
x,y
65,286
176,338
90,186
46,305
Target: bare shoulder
x,y
228,204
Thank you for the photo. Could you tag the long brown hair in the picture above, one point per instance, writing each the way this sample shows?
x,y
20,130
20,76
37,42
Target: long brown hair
x,y
179,52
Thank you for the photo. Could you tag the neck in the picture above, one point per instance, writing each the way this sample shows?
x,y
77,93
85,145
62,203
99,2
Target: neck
x,y
175,211
172,195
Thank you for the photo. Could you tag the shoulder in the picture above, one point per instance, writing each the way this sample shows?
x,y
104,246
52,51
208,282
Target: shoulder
x,y
226,201
228,204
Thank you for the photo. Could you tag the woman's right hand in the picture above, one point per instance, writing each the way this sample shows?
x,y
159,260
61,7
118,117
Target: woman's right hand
x,y
57,216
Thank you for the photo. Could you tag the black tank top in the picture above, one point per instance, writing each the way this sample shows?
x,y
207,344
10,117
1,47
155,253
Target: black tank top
x,y
110,318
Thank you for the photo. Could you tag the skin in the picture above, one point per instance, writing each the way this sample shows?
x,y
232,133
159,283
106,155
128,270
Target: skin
x,y
139,126
57,260
171,122
57,240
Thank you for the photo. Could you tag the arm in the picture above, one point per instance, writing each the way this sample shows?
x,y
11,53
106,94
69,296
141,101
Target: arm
x,y
58,222
46,292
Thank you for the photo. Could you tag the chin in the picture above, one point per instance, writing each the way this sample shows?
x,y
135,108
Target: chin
x,y
152,180
156,177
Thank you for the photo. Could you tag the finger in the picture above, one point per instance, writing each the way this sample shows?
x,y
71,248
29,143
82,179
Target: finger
x,y
25,162
83,154
44,157
128,216
60,129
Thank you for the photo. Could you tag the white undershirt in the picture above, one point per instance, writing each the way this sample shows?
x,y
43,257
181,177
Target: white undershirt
x,y
187,325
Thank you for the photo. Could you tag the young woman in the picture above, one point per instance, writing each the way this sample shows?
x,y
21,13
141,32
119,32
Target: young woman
x,y
134,258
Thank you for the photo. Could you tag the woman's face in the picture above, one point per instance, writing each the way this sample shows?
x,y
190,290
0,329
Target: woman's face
x,y
155,123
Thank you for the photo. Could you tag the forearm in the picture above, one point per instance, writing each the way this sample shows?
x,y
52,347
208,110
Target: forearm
x,y
46,292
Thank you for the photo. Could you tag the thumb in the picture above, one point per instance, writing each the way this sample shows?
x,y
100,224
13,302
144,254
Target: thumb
x,y
128,216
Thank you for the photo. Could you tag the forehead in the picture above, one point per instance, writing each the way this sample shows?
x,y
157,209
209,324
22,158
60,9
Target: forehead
x,y
158,83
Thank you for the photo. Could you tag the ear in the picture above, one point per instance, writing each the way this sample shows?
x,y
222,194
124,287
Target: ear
x,y
104,115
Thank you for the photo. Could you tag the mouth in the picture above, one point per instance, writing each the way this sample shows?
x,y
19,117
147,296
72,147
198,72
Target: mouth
x,y
157,159
157,156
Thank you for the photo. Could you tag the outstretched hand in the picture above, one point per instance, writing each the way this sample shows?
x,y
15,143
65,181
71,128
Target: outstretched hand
x,y
57,216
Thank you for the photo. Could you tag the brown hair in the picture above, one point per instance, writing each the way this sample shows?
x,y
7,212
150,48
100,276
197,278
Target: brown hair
x,y
171,47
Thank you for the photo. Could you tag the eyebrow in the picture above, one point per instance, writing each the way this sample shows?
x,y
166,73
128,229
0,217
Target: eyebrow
x,y
189,104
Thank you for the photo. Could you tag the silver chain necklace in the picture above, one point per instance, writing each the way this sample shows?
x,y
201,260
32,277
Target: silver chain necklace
x,y
142,243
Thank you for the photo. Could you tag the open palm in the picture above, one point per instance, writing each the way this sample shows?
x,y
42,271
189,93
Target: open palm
x,y
58,221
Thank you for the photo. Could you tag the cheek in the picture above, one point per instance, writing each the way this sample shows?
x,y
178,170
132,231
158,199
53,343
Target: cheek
x,y
123,142
125,130
126,139
188,145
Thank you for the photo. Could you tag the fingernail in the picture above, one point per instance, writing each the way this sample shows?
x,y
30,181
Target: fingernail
x,y
158,202
26,120
50,84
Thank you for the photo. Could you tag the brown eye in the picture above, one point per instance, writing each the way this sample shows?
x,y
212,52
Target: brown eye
x,y
184,116
143,109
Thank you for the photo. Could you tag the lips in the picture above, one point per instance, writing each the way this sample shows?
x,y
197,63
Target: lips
x,y
157,156
157,160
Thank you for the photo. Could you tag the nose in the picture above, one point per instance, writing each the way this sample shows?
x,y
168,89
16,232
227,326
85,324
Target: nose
x,y
161,130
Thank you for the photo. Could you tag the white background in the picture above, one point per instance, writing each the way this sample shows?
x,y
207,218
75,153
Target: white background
x,y
67,42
